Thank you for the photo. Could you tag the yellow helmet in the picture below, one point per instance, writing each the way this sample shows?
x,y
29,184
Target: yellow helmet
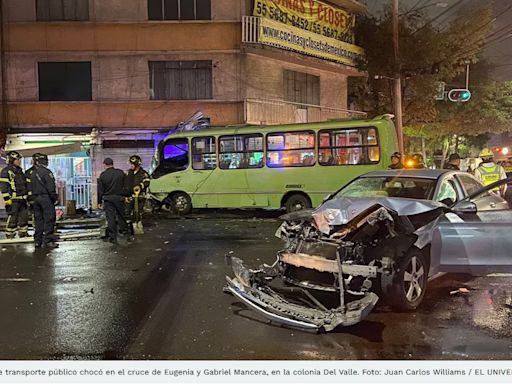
x,y
486,152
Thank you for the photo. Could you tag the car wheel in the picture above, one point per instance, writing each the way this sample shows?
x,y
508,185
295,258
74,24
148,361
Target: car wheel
x,y
409,282
180,203
297,202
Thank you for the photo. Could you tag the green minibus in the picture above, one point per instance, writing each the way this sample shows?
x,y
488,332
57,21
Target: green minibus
x,y
293,166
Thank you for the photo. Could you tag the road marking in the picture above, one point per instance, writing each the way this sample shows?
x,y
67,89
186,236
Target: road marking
x,y
499,275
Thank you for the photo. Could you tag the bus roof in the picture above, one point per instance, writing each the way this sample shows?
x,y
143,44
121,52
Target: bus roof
x,y
246,128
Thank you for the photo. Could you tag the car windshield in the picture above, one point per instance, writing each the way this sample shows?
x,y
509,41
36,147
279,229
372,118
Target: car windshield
x,y
407,187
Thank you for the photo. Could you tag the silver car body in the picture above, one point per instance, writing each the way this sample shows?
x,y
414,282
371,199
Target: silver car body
x,y
360,239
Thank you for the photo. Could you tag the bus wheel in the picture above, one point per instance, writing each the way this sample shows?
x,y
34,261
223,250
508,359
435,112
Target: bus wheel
x,y
296,202
180,203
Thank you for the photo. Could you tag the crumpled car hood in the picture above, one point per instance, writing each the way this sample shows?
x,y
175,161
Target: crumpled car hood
x,y
340,211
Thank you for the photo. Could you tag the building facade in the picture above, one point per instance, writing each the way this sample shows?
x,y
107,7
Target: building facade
x,y
114,74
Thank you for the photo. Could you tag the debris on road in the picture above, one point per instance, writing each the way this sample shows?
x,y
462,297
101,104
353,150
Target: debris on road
x,y
460,290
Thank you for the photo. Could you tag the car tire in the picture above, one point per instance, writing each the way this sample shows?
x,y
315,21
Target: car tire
x,y
409,282
297,202
180,203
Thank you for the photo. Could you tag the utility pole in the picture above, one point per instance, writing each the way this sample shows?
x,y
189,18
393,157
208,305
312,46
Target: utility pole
x,y
397,81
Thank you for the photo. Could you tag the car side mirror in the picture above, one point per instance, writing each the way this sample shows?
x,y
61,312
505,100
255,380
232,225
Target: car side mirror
x,y
465,207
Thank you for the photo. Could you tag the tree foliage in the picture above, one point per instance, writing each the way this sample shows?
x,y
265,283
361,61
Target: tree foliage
x,y
429,54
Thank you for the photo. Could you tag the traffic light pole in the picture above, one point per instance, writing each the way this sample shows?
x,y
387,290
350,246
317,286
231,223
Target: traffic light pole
x,y
397,82
467,76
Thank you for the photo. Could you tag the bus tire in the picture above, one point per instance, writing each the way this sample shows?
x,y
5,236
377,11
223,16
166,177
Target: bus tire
x,y
297,202
180,203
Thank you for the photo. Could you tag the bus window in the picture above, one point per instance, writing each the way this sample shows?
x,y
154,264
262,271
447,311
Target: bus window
x,y
291,149
175,155
204,154
241,151
348,146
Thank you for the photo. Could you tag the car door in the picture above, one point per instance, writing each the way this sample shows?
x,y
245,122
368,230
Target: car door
x,y
475,237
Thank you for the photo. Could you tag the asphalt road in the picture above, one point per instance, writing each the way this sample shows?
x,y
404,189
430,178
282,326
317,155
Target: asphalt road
x,y
161,298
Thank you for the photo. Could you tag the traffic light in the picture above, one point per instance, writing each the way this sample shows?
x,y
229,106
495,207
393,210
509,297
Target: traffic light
x,y
459,95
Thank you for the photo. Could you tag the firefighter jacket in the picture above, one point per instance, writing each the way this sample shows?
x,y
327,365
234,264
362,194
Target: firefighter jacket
x,y
13,184
41,183
138,178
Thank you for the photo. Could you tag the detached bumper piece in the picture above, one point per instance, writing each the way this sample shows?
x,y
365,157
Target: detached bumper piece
x,y
276,308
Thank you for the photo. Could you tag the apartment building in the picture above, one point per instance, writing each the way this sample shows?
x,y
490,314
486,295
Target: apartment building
x,y
113,76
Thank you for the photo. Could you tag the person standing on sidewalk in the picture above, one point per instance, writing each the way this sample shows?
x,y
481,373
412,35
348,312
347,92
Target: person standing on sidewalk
x,y
13,186
111,197
43,196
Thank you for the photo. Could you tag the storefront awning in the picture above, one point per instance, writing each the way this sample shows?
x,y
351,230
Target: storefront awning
x,y
49,150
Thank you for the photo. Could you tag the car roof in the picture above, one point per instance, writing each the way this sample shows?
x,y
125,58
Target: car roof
x,y
433,174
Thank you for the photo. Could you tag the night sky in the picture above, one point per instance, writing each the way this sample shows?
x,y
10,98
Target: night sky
x,y
500,54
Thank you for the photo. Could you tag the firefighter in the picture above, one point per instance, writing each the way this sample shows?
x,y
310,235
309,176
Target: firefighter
x,y
14,191
489,172
137,180
43,198
28,175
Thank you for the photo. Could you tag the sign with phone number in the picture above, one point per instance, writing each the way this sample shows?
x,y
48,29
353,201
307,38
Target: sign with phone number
x,y
309,15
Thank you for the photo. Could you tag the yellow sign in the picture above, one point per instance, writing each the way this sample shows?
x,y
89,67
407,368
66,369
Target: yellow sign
x,y
309,15
282,35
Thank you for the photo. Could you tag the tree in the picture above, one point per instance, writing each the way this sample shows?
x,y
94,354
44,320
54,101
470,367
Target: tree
x,y
430,54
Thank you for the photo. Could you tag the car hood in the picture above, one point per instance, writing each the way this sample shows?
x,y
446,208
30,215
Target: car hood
x,y
342,210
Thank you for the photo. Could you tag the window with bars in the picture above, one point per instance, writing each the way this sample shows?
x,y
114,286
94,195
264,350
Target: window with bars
x,y
180,80
62,10
301,87
179,10
65,81
348,146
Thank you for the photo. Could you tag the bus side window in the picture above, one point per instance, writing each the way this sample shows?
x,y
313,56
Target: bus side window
x,y
204,153
291,149
348,146
241,151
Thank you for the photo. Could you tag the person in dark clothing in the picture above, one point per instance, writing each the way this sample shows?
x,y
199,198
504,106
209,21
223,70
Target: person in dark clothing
x,y
396,161
28,175
43,196
453,162
111,196
13,186
137,180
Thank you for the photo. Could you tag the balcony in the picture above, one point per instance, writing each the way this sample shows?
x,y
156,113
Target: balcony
x,y
268,111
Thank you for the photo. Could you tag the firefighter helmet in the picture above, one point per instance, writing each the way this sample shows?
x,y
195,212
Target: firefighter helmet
x,y
486,153
135,160
12,156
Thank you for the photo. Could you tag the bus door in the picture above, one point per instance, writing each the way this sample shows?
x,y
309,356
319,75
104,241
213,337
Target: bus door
x,y
203,176
240,160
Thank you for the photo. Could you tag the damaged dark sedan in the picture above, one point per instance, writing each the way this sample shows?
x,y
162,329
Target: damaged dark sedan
x,y
383,236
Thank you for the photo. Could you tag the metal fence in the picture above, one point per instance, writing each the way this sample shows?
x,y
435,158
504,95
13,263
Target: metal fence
x,y
78,189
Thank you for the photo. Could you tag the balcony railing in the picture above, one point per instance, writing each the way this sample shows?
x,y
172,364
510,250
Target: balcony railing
x,y
269,111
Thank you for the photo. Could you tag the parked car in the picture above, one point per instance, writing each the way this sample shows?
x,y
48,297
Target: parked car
x,y
385,234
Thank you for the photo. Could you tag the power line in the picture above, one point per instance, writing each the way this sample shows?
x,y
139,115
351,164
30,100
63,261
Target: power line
x,y
449,9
